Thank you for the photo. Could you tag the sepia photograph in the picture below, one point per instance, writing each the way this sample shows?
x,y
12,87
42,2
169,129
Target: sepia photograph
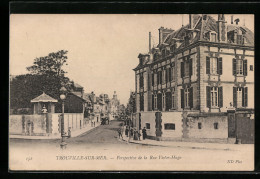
x,y
131,92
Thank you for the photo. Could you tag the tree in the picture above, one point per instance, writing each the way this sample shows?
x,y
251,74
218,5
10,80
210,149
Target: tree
x,y
50,65
46,76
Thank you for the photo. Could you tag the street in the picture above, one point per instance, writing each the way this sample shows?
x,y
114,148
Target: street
x,y
100,148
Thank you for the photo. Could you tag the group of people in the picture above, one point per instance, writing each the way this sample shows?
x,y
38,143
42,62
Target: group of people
x,y
131,132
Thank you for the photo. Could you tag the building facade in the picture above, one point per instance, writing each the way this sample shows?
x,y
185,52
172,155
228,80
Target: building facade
x,y
205,66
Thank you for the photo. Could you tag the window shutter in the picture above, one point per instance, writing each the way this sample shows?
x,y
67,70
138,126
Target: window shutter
x,y
245,97
190,66
220,66
159,102
153,102
182,69
220,96
158,78
182,98
152,79
245,67
235,96
169,74
191,98
172,73
207,65
166,75
208,96
234,66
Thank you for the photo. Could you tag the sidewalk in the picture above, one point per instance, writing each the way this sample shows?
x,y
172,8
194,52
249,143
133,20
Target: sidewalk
x,y
189,145
74,133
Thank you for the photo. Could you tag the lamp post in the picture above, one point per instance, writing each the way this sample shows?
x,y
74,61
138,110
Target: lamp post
x,y
63,144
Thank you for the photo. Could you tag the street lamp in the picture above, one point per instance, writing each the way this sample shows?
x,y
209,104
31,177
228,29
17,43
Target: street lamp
x,y
63,144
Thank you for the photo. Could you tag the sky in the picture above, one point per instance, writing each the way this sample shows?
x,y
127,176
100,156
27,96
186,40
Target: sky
x,y
102,49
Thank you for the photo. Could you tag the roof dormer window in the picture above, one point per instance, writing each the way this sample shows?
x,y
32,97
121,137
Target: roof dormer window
x,y
213,37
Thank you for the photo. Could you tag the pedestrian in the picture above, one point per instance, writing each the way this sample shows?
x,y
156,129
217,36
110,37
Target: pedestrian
x,y
131,131
120,133
126,131
144,133
139,134
130,134
91,124
135,134
94,123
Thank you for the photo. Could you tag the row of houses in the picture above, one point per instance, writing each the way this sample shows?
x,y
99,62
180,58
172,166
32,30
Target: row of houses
x,y
203,69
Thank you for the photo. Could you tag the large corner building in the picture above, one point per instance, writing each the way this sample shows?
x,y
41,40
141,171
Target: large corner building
x,y
204,67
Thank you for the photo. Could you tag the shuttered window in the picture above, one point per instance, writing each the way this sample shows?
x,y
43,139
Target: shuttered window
x,y
182,98
168,101
239,67
214,96
240,97
214,65
220,66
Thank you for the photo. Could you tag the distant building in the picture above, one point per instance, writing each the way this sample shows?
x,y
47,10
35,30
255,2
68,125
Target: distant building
x,y
114,105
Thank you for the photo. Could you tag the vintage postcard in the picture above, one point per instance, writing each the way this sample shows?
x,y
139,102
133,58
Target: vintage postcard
x,y
131,92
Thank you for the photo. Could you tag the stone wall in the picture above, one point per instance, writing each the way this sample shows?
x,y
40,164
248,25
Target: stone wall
x,y
44,124
27,124
172,118
184,126
207,129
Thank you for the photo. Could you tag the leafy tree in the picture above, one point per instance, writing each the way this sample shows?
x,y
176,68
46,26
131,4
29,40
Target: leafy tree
x,y
50,65
46,76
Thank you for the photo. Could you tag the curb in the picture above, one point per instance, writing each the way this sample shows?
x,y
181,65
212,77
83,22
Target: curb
x,y
178,146
52,138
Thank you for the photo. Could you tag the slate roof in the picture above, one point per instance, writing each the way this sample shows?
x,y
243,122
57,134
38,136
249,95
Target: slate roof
x,y
44,98
202,27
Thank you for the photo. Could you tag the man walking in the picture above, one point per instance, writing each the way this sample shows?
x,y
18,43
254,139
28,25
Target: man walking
x,y
144,133
120,133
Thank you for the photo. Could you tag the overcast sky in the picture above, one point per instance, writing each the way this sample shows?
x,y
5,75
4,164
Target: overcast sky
x,y
102,49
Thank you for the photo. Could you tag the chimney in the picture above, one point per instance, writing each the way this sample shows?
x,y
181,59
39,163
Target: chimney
x,y
150,36
221,24
232,19
160,35
237,21
191,21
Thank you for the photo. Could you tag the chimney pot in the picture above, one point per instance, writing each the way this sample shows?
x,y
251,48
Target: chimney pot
x,y
232,19
237,20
